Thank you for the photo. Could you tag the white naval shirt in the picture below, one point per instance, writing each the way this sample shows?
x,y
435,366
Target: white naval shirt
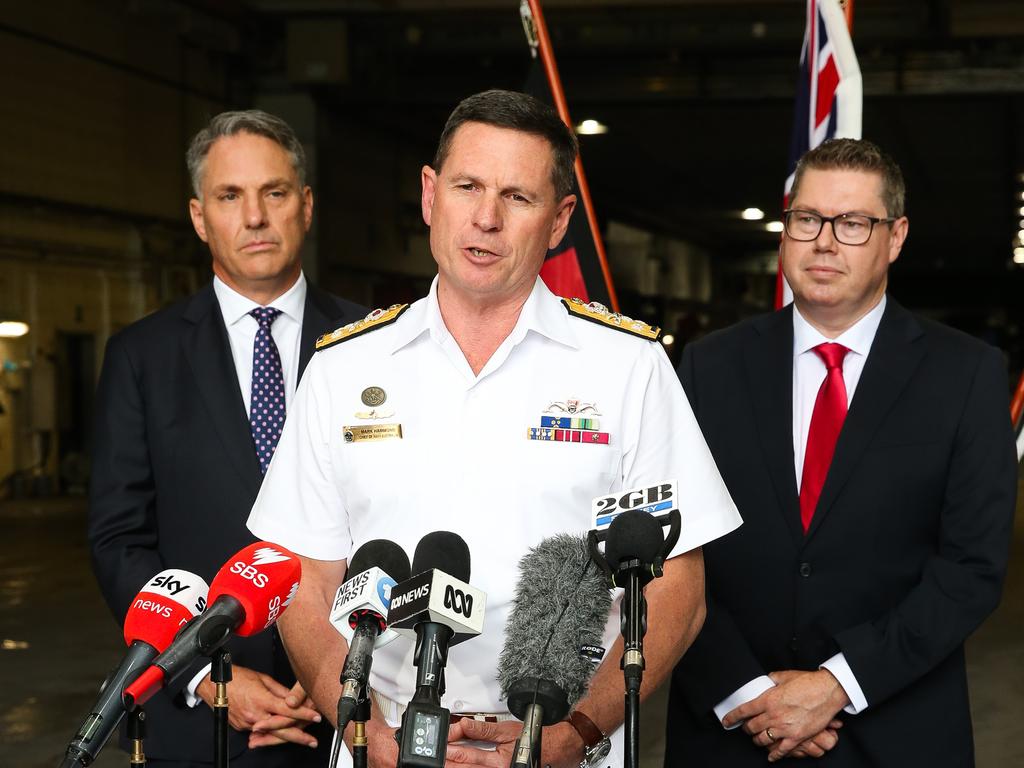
x,y
465,463
808,373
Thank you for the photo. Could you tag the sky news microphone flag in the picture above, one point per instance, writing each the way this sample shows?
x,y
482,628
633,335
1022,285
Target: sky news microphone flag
x,y
829,96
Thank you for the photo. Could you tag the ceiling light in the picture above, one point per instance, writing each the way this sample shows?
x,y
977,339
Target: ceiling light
x,y
774,226
752,214
12,329
591,127
1018,255
1021,211
668,339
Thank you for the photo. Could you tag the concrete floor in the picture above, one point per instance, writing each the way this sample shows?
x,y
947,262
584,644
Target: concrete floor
x,y
59,640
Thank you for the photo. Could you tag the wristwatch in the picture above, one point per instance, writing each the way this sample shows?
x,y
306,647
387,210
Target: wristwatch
x,y
596,744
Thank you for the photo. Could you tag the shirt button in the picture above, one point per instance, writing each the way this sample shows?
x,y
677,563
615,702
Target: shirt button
x,y
792,644
460,705
805,569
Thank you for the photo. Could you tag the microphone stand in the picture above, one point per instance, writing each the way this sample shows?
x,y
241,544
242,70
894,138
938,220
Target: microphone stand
x,y
359,740
220,674
633,625
136,733
633,575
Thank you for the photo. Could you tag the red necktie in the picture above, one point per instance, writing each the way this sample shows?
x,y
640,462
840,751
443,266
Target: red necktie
x,y
826,421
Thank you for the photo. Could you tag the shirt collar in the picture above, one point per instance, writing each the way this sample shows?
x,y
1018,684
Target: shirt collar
x,y
857,338
234,306
542,313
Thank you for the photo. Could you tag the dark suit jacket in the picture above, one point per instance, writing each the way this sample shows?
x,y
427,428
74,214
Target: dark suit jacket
x,y
174,476
905,555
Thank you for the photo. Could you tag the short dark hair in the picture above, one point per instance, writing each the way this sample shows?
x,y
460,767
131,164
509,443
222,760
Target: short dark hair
x,y
856,155
518,112
254,121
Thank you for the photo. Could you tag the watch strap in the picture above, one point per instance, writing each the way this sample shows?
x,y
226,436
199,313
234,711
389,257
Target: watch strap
x,y
586,728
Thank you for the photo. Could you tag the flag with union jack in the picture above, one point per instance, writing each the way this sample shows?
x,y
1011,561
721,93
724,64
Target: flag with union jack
x,y
829,95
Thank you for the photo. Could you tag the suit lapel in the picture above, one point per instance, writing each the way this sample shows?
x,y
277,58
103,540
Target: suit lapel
x,y
893,358
206,347
768,354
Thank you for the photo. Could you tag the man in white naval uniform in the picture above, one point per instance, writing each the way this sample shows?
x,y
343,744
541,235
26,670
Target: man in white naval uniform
x,y
429,429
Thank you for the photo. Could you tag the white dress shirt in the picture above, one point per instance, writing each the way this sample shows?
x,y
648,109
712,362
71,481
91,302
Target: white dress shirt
x,y
465,463
286,331
808,374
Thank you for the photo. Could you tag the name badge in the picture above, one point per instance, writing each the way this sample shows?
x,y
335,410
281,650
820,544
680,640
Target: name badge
x,y
357,434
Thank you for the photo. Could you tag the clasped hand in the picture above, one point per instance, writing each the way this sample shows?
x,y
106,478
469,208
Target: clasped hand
x,y
272,713
799,712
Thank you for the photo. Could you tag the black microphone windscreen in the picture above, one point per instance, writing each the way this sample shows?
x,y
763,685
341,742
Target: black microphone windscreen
x,y
558,573
383,554
445,551
633,535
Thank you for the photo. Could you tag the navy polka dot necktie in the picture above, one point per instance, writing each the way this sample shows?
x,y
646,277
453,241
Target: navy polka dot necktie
x,y
266,409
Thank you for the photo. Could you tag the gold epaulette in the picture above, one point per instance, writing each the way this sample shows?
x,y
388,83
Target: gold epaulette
x,y
598,313
376,319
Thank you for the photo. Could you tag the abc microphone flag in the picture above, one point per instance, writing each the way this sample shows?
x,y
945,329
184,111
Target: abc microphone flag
x,y
166,603
248,594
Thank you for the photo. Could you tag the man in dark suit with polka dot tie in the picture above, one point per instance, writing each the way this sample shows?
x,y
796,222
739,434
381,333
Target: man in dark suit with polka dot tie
x,y
190,406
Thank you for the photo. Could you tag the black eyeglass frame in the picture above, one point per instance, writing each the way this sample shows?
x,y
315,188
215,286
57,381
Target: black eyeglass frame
x,y
831,220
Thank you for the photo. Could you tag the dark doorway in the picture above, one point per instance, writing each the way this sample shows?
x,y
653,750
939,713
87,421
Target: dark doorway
x,y
76,384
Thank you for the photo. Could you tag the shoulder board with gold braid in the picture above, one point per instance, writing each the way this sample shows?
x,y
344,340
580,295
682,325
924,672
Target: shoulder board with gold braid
x,y
376,319
598,313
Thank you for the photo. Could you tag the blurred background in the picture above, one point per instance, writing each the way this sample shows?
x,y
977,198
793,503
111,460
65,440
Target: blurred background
x,y
100,99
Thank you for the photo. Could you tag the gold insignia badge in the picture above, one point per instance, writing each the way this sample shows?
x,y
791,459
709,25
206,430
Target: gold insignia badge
x,y
376,319
373,396
598,313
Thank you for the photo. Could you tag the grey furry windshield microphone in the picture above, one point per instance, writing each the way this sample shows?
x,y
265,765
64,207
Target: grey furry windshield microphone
x,y
552,638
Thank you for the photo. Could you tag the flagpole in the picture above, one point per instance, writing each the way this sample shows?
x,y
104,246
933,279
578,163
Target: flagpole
x,y
780,278
547,57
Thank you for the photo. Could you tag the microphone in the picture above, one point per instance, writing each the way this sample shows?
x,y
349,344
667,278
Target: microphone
x,y
633,535
248,594
552,638
360,615
167,601
440,609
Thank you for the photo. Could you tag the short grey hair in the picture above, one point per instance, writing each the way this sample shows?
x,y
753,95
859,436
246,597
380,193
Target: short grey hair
x,y
254,121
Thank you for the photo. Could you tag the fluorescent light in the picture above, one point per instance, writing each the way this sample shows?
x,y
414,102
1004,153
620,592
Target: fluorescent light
x,y
668,339
11,329
591,127
752,214
1018,255
774,226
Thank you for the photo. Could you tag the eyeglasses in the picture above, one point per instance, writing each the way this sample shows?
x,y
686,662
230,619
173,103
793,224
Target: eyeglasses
x,y
848,228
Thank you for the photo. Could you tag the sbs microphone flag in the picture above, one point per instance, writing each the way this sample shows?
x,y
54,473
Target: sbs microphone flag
x,y
248,594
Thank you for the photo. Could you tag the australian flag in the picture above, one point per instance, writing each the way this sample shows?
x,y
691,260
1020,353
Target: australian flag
x,y
829,95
